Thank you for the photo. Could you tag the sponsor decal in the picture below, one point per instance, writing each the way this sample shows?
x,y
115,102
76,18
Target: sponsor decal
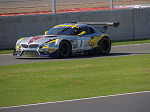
x,y
94,41
50,49
34,39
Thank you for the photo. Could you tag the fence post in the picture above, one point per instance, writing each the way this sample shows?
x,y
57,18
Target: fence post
x,y
53,7
111,5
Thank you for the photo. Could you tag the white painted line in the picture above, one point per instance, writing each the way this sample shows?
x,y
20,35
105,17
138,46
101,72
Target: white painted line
x,y
75,100
132,44
134,6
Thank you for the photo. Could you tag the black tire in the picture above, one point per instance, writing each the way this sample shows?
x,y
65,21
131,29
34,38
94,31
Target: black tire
x,y
64,49
104,46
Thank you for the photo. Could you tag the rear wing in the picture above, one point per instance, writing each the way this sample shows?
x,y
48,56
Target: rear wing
x,y
102,26
115,24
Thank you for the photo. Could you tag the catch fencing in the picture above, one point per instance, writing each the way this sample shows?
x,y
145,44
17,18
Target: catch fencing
x,y
55,6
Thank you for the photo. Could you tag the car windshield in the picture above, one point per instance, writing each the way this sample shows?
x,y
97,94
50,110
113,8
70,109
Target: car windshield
x,y
63,31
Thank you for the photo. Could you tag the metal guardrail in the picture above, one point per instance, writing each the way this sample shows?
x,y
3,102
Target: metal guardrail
x,y
25,6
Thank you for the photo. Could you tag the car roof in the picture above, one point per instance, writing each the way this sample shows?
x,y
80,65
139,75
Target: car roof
x,y
73,25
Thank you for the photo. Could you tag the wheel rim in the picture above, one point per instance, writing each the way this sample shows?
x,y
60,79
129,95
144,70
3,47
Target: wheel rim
x,y
105,45
64,49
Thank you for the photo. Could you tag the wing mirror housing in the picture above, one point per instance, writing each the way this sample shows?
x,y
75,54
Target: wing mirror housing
x,y
82,33
46,32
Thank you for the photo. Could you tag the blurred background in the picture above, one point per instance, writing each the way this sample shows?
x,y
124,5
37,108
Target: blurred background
x,y
26,6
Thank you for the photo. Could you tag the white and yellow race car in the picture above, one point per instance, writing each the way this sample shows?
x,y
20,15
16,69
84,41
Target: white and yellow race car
x,y
67,40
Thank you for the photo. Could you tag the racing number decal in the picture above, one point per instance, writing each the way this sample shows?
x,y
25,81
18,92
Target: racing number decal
x,y
80,43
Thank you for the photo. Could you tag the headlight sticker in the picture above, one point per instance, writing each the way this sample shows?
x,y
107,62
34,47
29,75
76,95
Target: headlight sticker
x,y
54,40
50,43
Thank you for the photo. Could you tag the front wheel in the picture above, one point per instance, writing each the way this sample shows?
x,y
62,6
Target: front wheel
x,y
64,49
104,46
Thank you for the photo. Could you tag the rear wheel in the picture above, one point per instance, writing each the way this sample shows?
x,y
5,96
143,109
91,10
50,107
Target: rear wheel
x,y
104,46
64,49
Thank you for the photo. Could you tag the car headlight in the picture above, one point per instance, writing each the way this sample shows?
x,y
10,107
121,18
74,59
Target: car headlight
x,y
51,44
48,44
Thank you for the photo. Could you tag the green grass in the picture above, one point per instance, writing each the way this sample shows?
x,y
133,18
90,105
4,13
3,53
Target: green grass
x,y
73,79
6,51
113,44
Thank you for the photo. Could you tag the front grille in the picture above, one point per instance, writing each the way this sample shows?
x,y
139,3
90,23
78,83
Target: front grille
x,y
30,54
33,46
30,46
24,45
44,53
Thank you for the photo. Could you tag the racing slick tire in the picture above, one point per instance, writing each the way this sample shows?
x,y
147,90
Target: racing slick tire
x,y
64,49
104,46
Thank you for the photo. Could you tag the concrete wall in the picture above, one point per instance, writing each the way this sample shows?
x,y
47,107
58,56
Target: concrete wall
x,y
134,24
142,23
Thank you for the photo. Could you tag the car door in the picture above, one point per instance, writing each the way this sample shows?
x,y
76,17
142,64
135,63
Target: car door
x,y
86,38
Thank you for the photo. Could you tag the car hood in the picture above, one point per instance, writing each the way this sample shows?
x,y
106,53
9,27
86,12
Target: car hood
x,y
38,39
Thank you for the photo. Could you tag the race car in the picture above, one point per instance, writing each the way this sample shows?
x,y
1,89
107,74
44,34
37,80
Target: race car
x,y
67,40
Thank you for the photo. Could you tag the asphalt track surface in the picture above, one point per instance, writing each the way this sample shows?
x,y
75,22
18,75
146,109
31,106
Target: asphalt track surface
x,y
121,50
136,102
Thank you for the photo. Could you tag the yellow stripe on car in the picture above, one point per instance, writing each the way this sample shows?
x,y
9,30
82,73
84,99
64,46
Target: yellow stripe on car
x,y
22,39
73,26
94,41
52,41
45,47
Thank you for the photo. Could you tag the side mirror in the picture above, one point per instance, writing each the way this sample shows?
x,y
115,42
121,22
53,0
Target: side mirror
x,y
46,32
82,33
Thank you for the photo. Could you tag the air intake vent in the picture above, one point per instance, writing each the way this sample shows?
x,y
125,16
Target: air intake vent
x,y
30,46
24,45
33,46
